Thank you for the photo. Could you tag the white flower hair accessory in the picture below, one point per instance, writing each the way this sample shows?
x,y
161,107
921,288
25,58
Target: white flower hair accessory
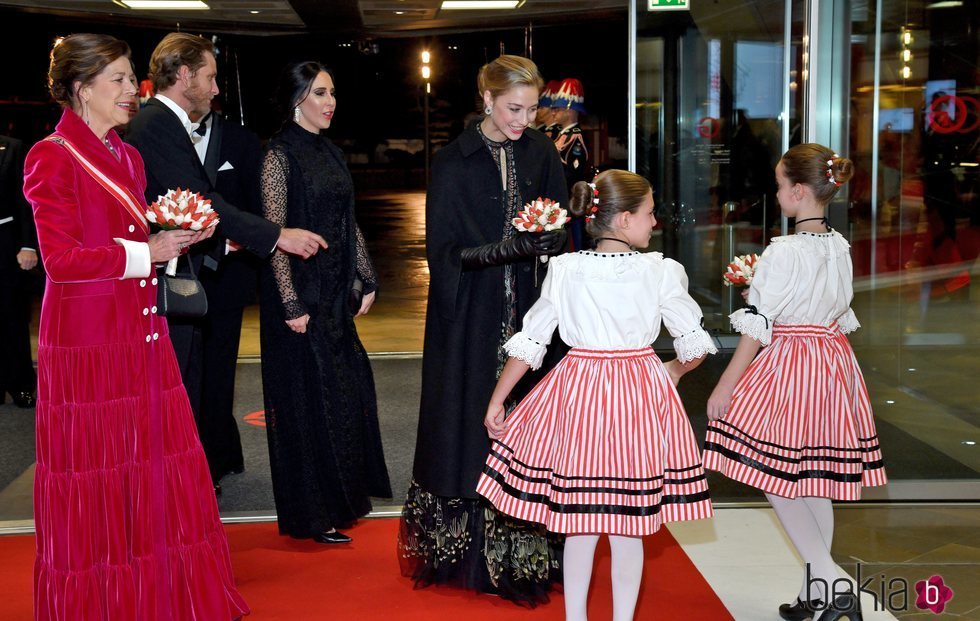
x,y
830,170
595,202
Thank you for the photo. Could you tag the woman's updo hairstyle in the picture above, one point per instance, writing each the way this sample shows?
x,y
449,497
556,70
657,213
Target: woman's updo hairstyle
x,y
506,72
295,83
808,164
78,58
619,191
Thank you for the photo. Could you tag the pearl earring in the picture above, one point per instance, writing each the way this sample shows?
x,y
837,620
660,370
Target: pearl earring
x,y
296,114
488,110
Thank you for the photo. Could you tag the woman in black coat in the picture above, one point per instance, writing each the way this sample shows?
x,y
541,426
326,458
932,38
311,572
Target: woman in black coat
x,y
484,276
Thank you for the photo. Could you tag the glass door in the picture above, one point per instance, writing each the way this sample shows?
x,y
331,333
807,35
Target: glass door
x,y
716,102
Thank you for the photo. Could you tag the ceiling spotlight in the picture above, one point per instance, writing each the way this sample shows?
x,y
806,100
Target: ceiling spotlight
x,y
255,12
479,5
160,5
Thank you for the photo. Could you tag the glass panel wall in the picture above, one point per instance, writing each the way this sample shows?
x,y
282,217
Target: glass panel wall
x,y
913,226
720,93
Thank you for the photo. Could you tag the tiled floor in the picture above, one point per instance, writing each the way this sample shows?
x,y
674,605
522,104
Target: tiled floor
x,y
750,563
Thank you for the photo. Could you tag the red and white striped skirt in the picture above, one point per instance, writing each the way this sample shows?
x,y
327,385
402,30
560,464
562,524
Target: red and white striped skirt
x,y
601,445
800,422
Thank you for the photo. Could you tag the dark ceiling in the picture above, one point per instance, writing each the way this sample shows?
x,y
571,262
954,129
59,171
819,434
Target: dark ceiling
x,y
356,18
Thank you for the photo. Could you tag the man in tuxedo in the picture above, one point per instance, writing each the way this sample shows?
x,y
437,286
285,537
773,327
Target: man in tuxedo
x,y
184,75
18,255
233,161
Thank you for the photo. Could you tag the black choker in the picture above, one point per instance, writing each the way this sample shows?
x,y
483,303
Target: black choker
x,y
821,219
599,239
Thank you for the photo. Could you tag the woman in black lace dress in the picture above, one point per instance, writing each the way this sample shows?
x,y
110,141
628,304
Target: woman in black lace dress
x,y
483,279
320,407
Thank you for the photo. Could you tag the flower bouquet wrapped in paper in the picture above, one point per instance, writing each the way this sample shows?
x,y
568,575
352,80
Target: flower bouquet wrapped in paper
x,y
181,209
741,270
540,215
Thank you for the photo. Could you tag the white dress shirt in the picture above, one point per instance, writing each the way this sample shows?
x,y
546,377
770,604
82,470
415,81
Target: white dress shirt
x,y
189,125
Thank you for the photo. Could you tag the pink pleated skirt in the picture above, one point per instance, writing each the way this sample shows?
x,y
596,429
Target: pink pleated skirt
x,y
601,445
800,422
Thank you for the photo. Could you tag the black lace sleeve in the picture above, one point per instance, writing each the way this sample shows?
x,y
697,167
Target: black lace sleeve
x,y
275,176
365,269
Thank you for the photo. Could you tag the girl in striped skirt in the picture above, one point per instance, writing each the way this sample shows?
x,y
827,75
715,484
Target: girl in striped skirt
x,y
602,443
796,422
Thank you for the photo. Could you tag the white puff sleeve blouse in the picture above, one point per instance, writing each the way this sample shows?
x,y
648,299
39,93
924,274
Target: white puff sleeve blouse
x,y
612,301
804,278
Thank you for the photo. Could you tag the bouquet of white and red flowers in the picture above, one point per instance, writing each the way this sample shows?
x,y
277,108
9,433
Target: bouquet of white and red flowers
x,y
741,270
540,215
181,209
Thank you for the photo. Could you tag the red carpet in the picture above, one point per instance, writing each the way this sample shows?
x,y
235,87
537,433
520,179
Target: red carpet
x,y
292,580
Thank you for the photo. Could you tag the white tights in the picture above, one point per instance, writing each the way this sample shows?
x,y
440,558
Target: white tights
x,y
627,571
809,522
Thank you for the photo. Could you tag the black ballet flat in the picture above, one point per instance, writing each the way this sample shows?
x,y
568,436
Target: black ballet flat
x,y
846,606
801,610
332,537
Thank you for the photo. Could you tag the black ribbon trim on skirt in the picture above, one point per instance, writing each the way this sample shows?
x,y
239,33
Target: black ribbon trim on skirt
x,y
862,449
786,476
600,509
551,472
789,460
592,489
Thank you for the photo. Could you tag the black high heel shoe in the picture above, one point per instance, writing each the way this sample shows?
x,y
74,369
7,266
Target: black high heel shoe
x,y
801,610
846,606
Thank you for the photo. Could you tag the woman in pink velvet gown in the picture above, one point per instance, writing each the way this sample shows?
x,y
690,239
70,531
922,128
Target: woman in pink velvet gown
x,y
127,523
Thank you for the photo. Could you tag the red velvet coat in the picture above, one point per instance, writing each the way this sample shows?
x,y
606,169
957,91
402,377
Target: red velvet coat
x,y
127,524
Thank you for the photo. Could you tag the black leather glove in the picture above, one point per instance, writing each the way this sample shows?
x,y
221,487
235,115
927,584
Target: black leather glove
x,y
520,246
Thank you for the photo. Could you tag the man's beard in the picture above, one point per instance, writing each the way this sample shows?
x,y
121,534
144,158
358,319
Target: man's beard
x,y
200,102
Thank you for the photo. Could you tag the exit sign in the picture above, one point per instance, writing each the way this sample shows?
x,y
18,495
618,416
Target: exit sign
x,y
668,5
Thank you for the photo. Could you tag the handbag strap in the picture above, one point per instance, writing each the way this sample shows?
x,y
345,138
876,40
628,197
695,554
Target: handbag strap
x,y
121,194
190,264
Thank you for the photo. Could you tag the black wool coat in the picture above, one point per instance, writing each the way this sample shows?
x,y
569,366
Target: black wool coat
x,y
465,208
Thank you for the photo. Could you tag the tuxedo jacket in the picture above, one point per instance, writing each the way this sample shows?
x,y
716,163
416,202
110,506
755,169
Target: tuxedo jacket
x,y
233,164
17,232
172,162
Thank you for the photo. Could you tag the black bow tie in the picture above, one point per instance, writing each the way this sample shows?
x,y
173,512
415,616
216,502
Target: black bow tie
x,y
202,126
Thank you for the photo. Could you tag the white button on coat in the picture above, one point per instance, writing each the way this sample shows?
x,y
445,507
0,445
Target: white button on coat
x,y
131,228
143,283
148,337
154,281
155,336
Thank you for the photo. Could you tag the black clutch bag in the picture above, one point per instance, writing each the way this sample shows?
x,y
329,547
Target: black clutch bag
x,y
181,295
356,295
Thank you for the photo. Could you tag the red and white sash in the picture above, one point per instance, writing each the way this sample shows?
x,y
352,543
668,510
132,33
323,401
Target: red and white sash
x,y
135,207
